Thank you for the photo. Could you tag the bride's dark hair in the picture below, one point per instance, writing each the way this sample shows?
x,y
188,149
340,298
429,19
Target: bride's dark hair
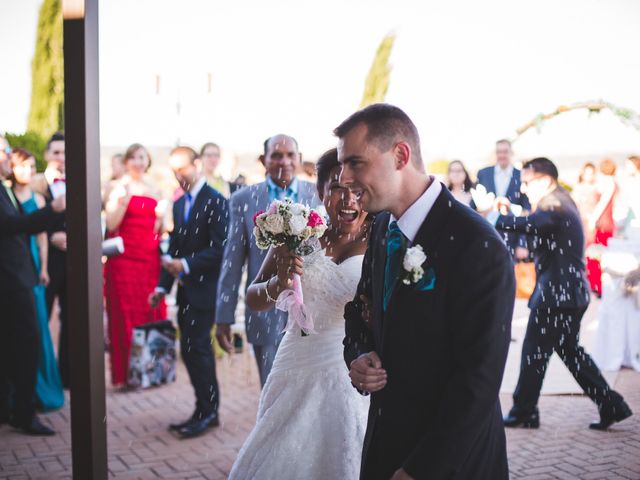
x,y
327,162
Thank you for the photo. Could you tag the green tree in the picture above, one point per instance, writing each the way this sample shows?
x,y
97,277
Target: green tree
x,y
30,141
46,114
377,83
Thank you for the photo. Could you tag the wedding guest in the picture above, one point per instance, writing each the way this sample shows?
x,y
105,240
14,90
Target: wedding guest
x,y
210,156
281,159
49,393
459,182
195,254
133,212
628,201
559,301
19,342
503,179
117,167
52,184
238,183
586,196
601,220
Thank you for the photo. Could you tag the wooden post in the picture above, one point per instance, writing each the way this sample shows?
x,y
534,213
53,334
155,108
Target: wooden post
x,y
84,268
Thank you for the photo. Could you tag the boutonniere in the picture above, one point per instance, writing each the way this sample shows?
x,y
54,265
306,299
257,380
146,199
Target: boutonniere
x,y
412,264
414,273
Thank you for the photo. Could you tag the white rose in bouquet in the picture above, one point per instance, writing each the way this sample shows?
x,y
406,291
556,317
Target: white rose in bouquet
x,y
297,224
274,224
297,209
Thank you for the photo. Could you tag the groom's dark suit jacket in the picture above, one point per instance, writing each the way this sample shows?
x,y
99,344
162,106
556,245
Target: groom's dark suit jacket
x,y
444,351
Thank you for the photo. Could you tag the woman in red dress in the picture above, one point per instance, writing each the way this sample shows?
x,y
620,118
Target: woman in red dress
x,y
133,212
601,222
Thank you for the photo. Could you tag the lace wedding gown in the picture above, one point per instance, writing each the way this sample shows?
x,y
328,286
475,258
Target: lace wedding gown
x,y
311,421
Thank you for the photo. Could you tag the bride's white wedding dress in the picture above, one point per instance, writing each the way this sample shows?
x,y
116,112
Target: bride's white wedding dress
x,y
311,421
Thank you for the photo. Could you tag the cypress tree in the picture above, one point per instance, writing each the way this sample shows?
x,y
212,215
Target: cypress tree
x,y
46,114
377,83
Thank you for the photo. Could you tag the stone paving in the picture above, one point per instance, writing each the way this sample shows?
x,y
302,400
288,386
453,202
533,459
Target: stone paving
x,y
140,447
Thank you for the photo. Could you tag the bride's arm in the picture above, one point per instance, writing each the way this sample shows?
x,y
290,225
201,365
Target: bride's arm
x,y
275,275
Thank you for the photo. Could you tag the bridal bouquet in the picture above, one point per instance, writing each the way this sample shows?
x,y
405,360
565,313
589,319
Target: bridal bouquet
x,y
294,225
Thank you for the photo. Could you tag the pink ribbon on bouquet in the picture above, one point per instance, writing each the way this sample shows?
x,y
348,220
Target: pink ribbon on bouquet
x,y
290,301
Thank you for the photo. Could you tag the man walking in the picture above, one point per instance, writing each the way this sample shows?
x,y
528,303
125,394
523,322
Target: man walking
x,y
559,300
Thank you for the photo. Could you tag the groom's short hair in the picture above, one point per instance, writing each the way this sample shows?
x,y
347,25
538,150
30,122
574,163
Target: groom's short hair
x,y
386,125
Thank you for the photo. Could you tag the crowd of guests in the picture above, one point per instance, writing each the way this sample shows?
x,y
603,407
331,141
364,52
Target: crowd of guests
x,y
210,242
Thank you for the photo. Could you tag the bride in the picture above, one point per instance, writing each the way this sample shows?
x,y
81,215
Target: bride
x,y
311,421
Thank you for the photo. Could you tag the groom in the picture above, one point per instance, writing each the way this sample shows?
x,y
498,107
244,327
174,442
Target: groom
x,y
429,344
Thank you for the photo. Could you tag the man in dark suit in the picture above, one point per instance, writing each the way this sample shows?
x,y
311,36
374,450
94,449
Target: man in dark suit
x,y
559,300
503,180
195,254
427,337
20,345
51,184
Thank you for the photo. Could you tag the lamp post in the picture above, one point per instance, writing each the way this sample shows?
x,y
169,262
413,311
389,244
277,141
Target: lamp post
x,y
84,269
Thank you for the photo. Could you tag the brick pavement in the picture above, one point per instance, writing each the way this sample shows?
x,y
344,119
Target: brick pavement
x,y
140,447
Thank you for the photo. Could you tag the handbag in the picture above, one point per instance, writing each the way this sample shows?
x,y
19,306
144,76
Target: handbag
x,y
525,279
153,355
112,247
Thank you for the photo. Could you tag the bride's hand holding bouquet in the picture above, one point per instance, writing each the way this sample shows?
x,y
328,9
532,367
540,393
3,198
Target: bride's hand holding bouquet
x,y
291,228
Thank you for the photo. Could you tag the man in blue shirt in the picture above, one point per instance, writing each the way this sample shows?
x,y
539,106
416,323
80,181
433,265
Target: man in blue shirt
x,y
281,159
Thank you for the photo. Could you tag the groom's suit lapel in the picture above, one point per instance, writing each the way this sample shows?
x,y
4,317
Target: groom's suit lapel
x,y
379,262
428,236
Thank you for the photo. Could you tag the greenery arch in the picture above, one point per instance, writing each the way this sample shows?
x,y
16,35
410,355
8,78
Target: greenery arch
x,y
625,115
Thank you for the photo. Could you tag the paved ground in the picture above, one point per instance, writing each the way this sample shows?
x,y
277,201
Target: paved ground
x,y
140,447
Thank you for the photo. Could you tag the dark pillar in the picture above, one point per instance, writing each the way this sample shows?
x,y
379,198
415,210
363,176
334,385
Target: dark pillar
x,y
86,342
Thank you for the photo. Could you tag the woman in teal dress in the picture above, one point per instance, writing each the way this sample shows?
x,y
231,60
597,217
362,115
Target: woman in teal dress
x,y
49,393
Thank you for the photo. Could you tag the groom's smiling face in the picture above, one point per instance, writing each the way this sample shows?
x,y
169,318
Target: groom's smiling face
x,y
369,172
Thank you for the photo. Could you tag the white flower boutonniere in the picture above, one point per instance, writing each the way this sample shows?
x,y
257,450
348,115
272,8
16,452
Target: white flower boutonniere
x,y
412,264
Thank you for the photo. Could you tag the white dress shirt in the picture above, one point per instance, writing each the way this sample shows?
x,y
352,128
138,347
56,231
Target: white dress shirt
x,y
411,220
502,179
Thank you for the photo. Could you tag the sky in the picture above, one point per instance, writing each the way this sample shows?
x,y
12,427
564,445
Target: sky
x,y
467,72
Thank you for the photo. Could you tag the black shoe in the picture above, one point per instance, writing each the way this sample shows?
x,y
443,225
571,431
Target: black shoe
x,y
610,416
33,427
198,427
531,420
186,423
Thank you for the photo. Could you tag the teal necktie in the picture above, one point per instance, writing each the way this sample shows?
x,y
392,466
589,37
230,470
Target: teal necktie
x,y
396,247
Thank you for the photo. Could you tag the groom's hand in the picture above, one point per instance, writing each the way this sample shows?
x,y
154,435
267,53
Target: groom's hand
x,y
401,475
367,374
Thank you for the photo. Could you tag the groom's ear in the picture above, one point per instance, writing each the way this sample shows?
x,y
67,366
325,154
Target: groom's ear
x,y
402,154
